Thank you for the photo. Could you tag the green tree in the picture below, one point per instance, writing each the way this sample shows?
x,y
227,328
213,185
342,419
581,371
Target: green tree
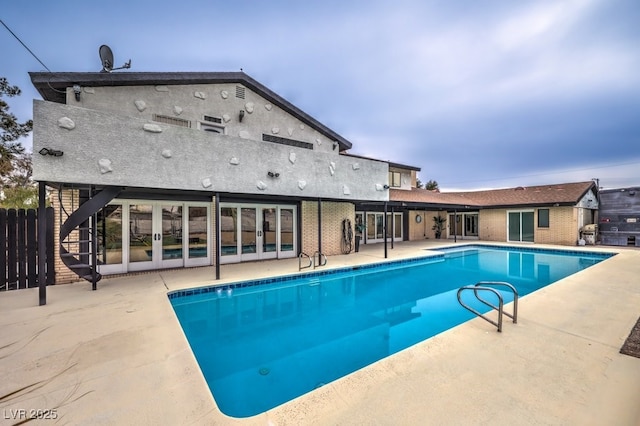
x,y
419,183
17,189
432,185
11,129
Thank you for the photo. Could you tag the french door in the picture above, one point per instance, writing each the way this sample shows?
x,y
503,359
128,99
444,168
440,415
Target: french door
x,y
375,227
143,235
256,231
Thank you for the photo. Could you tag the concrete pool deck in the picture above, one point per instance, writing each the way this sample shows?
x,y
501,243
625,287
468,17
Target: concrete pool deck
x,y
118,356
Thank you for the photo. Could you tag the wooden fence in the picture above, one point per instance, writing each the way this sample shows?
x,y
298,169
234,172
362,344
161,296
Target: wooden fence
x,y
19,248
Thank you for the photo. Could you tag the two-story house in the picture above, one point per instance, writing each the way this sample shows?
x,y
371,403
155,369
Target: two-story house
x,y
165,170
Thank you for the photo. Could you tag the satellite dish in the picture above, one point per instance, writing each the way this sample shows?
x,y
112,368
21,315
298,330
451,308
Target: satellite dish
x,y
106,57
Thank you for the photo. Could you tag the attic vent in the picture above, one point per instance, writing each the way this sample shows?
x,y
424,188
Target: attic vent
x,y
171,120
285,141
240,92
212,119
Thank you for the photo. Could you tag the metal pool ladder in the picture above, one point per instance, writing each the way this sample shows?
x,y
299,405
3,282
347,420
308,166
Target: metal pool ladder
x,y
485,286
321,257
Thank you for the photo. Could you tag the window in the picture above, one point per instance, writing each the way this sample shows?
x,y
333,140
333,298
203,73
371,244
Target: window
x,y
394,179
543,218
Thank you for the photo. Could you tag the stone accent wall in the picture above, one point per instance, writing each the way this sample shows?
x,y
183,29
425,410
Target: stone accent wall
x,y
333,213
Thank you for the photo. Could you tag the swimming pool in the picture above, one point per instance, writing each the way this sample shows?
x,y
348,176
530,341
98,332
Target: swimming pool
x,y
261,343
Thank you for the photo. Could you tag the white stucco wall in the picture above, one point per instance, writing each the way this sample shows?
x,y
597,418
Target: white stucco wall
x,y
103,147
193,102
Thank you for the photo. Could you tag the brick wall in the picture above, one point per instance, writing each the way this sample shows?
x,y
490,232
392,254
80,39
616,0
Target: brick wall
x,y
563,227
63,275
562,230
333,213
492,225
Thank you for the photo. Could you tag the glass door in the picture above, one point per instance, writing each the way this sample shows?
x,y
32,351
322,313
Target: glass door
x,y
255,232
269,233
287,241
248,233
170,235
198,220
110,239
155,236
144,235
520,226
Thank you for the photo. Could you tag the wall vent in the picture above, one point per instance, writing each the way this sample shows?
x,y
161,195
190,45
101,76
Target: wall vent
x,y
212,119
240,92
171,120
285,141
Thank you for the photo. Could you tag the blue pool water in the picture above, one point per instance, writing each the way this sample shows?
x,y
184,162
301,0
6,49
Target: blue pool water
x,y
262,343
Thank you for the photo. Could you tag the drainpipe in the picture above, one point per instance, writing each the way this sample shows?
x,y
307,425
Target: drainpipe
x,y
385,230
42,245
217,235
455,226
393,226
320,225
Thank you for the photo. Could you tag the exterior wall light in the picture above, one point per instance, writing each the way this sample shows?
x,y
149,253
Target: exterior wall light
x,y
77,90
47,151
385,186
273,175
241,116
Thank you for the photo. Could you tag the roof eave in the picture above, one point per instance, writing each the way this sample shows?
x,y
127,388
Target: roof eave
x,y
52,87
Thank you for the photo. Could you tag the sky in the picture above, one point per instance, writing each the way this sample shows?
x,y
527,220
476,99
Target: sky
x,y
478,94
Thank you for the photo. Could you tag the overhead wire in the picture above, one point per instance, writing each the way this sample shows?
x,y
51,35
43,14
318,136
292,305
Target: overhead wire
x,y
24,45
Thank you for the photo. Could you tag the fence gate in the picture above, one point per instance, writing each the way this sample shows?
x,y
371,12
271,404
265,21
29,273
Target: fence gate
x,y
19,248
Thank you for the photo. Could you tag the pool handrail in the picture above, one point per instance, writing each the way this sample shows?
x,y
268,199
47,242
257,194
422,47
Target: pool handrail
x,y
514,315
300,256
484,286
320,256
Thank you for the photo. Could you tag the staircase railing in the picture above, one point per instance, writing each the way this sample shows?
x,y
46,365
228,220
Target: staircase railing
x,y
79,251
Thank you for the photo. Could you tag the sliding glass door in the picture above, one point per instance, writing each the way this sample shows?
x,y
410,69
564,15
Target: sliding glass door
x,y
520,226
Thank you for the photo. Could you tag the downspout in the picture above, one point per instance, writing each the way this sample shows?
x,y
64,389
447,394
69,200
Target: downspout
x,y
320,225
217,235
393,226
385,229
455,226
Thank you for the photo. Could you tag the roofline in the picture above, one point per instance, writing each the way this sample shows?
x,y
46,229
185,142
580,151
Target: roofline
x,y
402,166
52,87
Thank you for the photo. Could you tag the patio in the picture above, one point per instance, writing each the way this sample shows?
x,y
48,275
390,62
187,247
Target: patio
x,y
118,356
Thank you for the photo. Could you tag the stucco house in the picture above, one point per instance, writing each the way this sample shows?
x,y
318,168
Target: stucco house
x,y
165,170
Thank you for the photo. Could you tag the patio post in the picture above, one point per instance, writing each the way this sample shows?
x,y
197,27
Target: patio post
x,y
217,235
42,245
